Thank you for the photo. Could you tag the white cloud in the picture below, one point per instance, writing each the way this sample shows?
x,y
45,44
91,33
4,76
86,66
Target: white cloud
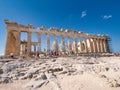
x,y
83,14
107,17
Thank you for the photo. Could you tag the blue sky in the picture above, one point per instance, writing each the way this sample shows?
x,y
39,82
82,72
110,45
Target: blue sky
x,y
90,16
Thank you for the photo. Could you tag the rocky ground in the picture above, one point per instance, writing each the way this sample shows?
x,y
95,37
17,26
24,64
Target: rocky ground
x,y
63,73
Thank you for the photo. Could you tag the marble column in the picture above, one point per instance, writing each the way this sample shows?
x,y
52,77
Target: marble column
x,y
81,46
39,39
105,45
48,42
69,48
23,47
62,44
99,45
18,43
75,48
39,43
100,42
95,45
99,50
91,46
86,47
7,46
102,45
55,43
29,43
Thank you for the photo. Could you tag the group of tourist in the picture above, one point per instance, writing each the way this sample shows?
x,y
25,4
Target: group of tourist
x,y
53,53
46,54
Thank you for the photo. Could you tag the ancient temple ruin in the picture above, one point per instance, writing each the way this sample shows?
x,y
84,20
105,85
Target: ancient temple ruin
x,y
87,43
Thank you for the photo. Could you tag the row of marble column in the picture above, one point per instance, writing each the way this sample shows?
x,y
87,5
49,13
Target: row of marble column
x,y
86,45
97,45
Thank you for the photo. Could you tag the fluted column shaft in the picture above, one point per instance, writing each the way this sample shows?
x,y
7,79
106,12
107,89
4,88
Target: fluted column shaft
x,y
99,50
39,43
39,39
100,42
69,48
62,43
7,46
105,45
95,45
86,47
91,46
48,42
55,44
81,46
75,46
18,43
102,45
29,43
